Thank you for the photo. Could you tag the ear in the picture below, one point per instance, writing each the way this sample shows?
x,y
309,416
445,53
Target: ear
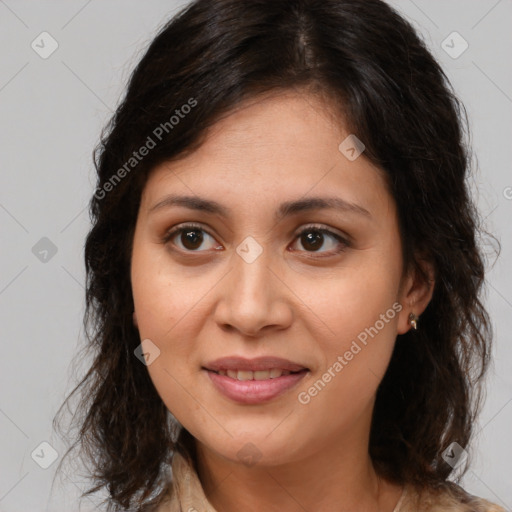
x,y
135,320
415,293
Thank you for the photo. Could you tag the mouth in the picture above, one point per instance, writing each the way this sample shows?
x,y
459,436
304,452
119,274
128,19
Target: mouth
x,y
255,365
244,375
254,381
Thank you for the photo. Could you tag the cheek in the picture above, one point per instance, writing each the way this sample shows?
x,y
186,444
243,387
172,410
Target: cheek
x,y
361,310
169,310
157,291
360,294
354,362
160,311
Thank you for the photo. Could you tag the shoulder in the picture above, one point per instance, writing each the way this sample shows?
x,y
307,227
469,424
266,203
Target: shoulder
x,y
449,497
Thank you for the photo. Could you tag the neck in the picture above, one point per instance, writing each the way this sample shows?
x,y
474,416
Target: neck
x,y
338,478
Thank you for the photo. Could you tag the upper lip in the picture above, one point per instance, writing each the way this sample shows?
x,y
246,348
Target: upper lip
x,y
258,363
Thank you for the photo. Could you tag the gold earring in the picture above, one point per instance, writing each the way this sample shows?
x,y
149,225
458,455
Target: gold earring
x,y
413,320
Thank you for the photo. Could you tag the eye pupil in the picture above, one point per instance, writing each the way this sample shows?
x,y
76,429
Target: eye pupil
x,y
313,238
191,236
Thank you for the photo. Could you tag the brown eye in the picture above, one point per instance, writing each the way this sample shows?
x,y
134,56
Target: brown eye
x,y
191,237
314,238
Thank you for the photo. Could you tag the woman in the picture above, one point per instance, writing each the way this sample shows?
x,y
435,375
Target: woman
x,y
283,280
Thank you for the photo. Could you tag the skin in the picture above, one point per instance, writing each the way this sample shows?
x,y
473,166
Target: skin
x,y
197,304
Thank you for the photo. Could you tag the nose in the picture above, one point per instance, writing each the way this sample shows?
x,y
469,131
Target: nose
x,y
253,297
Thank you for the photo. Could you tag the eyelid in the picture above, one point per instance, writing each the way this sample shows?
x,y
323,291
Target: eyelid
x,y
323,229
182,227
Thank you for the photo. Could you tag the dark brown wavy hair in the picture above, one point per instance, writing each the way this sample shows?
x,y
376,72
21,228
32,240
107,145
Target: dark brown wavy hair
x,y
386,87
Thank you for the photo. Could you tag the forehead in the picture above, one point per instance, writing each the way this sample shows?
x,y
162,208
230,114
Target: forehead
x,y
282,145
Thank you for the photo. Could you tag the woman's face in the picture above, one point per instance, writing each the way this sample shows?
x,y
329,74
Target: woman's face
x,y
242,282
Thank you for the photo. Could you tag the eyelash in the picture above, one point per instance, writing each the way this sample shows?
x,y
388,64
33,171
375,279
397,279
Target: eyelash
x,y
315,228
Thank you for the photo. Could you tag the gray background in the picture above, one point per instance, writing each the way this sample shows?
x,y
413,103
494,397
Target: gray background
x,y
52,111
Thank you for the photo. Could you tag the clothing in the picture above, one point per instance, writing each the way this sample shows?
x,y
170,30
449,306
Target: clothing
x,y
186,495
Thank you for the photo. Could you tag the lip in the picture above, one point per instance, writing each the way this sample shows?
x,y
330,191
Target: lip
x,y
252,392
259,363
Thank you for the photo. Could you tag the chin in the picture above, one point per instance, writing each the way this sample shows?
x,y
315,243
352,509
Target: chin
x,y
254,449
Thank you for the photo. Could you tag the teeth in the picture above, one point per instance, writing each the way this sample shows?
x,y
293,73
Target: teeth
x,y
244,375
257,375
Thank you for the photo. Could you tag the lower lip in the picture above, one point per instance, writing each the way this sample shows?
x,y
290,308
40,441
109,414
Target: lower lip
x,y
254,391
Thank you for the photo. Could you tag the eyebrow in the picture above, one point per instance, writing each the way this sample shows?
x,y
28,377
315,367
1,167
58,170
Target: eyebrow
x,y
286,209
